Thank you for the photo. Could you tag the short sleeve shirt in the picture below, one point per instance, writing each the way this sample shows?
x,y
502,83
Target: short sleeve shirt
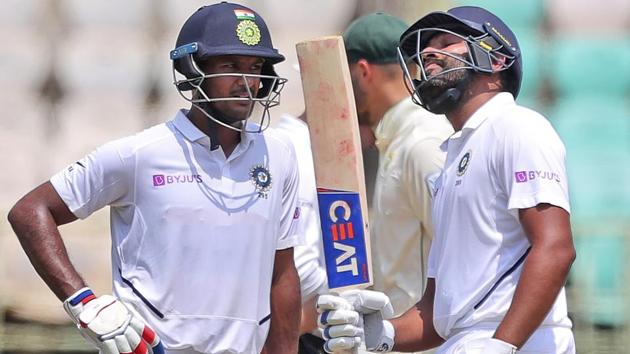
x,y
308,257
505,158
194,234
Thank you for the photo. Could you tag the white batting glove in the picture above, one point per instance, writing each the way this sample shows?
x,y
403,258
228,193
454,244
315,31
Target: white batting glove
x,y
487,346
353,315
497,346
109,325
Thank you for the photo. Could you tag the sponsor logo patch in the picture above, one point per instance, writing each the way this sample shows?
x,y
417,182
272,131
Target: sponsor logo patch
x,y
343,238
162,180
525,176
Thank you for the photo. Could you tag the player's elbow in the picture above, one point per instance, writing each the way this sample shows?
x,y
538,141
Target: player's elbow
x,y
16,214
563,254
23,214
570,255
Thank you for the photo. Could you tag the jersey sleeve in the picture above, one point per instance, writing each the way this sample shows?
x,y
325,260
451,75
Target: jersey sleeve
x,y
423,164
93,182
288,232
532,166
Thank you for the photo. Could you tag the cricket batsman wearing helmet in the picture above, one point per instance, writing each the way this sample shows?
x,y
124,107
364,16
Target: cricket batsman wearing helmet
x,y
502,247
202,208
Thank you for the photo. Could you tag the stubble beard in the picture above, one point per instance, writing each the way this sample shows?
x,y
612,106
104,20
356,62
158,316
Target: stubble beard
x,y
436,86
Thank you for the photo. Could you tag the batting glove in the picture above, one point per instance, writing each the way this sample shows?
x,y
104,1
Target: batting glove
x,y
109,325
355,316
497,346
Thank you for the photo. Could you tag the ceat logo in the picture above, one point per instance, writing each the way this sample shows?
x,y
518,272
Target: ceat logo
x,y
343,238
342,229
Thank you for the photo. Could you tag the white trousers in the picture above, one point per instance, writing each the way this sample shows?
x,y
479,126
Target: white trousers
x,y
546,340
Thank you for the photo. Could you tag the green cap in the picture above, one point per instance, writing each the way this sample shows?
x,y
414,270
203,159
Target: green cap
x,y
374,38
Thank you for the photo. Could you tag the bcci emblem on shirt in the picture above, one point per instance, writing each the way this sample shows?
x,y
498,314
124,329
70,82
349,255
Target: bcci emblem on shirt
x,y
463,163
261,178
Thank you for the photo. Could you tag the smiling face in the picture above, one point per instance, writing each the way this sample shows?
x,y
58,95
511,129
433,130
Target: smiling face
x,y
233,83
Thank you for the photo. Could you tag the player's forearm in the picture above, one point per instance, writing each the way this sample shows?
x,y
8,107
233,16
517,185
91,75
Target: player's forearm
x,y
414,330
308,321
39,236
284,329
544,274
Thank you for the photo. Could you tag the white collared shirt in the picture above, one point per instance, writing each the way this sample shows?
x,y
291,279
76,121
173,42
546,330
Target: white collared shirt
x,y
408,139
505,158
309,259
193,232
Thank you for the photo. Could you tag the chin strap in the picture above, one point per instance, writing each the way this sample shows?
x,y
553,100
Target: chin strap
x,y
214,116
446,101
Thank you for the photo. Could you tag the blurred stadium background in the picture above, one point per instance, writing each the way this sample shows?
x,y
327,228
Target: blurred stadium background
x,y
75,73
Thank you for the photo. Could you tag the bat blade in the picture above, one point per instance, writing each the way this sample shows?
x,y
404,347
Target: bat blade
x,y
336,145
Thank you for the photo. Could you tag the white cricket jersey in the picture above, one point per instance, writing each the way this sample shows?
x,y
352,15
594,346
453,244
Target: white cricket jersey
x,y
194,234
408,139
308,256
505,158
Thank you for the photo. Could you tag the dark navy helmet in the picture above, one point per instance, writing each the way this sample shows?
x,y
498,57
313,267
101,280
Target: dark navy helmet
x,y
225,29
488,39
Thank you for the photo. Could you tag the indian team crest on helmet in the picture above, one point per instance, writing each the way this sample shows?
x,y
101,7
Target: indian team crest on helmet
x,y
248,32
463,163
261,178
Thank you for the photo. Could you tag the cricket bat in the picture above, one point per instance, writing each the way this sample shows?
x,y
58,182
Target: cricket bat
x,y
334,131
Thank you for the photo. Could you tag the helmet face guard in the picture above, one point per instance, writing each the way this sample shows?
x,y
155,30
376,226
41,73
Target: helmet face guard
x,y
225,29
483,51
189,78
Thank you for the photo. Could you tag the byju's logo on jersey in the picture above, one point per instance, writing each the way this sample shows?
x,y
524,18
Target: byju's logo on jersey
x,y
162,180
261,177
524,176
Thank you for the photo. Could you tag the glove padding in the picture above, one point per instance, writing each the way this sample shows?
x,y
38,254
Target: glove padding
x,y
353,315
497,346
109,325
486,346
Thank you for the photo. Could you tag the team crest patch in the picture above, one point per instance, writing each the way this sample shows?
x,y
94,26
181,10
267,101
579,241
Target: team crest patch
x,y
248,32
261,178
463,163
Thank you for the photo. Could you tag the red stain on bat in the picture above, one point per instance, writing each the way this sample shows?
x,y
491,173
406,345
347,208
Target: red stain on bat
x,y
323,92
345,114
345,147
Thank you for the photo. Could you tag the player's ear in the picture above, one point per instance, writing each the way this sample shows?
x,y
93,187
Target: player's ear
x,y
498,62
364,69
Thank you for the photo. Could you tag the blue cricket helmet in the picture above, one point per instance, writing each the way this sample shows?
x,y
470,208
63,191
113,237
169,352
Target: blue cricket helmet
x,y
223,29
226,29
484,31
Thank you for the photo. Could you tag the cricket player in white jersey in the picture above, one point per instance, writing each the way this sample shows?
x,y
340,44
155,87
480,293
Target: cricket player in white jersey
x,y
408,140
503,246
203,210
308,256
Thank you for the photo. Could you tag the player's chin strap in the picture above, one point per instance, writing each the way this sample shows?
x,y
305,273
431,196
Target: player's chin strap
x,y
214,116
443,103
